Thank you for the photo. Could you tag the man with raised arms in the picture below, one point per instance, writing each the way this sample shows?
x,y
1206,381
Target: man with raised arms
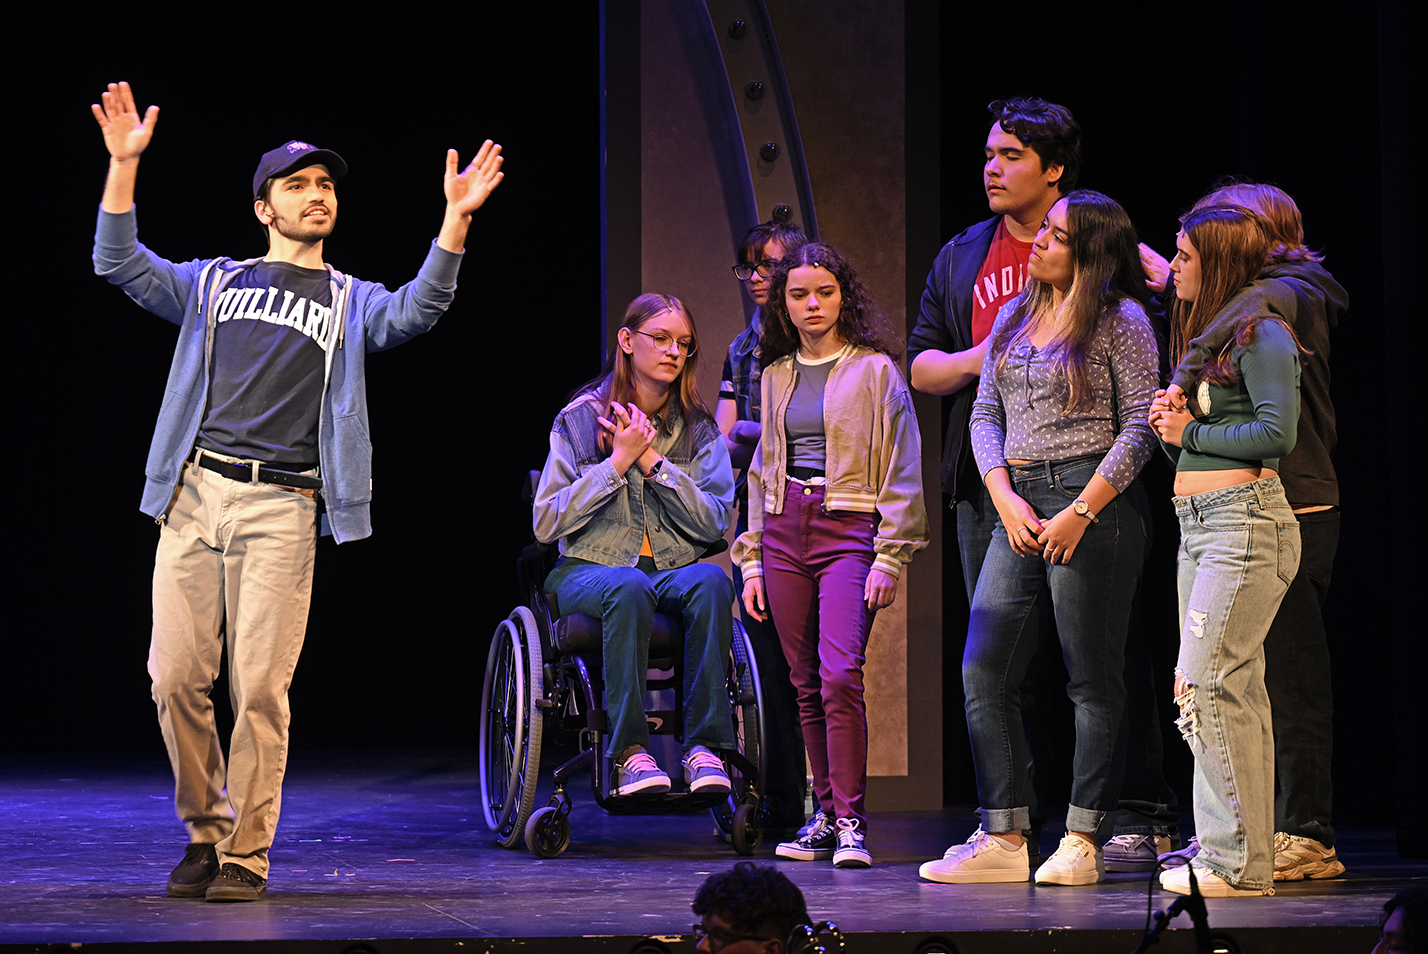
x,y
264,419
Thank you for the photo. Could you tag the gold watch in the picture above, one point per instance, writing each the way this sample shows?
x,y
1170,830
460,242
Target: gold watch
x,y
1084,509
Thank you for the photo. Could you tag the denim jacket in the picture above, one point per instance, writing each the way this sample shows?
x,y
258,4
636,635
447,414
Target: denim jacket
x,y
874,460
601,516
744,371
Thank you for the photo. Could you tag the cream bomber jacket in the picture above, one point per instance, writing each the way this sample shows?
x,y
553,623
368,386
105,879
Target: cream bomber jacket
x,y
874,457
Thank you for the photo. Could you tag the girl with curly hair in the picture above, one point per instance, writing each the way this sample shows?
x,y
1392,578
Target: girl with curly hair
x,y
835,511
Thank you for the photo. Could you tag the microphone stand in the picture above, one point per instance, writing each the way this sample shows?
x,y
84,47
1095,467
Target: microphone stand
x,y
1194,903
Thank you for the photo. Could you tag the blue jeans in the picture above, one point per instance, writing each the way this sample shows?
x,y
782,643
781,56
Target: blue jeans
x,y
1091,598
625,599
1239,550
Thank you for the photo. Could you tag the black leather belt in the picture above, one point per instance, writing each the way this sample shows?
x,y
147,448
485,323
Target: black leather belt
x,y
254,473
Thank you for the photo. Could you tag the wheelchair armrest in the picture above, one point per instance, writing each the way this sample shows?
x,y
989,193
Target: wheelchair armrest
x,y
715,548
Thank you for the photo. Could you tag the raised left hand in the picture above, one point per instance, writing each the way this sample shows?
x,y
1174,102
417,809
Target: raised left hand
x,y
880,590
1156,268
468,189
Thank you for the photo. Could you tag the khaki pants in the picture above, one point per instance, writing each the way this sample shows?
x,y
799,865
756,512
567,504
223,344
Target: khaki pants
x,y
234,571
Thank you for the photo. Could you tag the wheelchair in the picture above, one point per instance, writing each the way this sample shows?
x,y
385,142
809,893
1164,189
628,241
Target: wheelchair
x,y
544,674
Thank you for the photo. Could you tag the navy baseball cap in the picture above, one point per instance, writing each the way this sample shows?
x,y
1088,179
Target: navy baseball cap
x,y
295,155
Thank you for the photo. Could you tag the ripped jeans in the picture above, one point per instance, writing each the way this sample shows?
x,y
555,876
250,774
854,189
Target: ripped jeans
x,y
1239,550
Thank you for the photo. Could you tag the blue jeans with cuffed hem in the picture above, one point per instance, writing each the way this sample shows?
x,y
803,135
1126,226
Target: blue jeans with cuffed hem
x,y
1239,550
625,598
1091,598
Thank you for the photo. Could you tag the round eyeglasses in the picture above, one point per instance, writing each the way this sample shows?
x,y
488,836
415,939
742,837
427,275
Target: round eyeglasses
x,y
664,342
765,268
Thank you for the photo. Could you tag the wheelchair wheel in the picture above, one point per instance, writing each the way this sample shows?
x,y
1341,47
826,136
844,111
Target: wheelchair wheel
x,y
746,832
746,703
548,832
511,725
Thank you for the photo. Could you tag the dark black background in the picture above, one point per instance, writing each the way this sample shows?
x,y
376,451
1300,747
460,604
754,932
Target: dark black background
x,y
1169,98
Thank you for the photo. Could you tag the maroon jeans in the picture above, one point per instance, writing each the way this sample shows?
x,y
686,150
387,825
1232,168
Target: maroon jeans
x,y
816,566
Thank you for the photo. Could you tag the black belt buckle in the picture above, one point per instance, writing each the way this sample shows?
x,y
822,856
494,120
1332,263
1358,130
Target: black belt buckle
x,y
243,473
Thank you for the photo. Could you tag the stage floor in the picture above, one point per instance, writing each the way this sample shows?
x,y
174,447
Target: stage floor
x,y
392,846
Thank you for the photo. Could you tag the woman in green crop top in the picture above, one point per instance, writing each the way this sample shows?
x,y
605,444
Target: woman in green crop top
x,y
1239,546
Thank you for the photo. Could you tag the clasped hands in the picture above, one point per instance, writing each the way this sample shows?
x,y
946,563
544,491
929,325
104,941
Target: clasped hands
x,y
1054,539
1169,414
632,436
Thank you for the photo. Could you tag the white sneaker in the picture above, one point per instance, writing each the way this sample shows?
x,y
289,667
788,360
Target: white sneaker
x,y
1297,858
983,859
1075,861
1211,885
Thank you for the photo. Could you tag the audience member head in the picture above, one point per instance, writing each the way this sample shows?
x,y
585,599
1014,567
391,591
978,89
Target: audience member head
x,y
748,910
1403,926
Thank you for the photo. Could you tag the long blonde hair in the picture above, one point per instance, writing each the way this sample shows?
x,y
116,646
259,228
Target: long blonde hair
x,y
616,382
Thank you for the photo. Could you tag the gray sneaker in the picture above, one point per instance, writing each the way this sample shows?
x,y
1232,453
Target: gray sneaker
x,y
704,771
640,774
1135,852
817,844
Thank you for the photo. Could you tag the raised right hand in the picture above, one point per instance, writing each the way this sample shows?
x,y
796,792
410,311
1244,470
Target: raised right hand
x,y
125,136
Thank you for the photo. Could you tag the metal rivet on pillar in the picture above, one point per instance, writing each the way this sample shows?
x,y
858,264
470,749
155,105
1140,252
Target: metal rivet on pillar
x,y
737,29
768,152
755,90
782,213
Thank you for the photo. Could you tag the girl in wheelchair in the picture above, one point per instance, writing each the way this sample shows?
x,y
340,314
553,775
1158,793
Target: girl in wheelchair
x,y
636,487
835,510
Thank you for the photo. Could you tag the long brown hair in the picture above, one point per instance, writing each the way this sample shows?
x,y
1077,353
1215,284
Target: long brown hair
x,y
1233,245
616,382
1277,211
1105,270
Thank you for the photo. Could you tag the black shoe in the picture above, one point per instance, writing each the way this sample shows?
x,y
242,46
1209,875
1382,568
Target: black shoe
x,y
237,883
191,877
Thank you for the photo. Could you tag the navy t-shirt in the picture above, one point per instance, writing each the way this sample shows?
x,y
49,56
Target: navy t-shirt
x,y
267,367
